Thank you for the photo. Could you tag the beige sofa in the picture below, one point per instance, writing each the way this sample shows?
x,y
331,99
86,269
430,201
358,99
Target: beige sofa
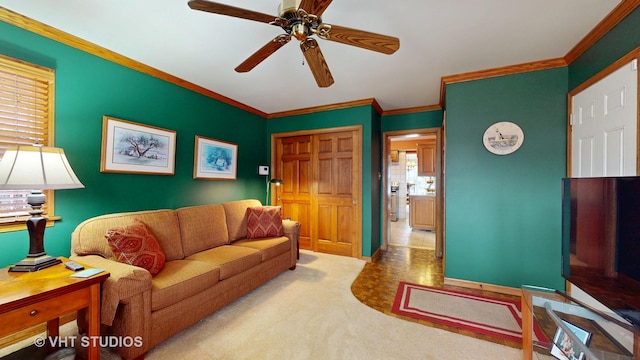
x,y
209,264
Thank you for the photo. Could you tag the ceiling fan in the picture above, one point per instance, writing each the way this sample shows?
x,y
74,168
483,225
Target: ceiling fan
x,y
302,19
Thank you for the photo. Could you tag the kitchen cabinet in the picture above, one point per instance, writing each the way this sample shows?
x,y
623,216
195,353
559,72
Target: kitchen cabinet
x,y
427,159
422,212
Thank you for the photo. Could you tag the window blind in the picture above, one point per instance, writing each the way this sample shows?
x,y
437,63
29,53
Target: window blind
x,y
26,113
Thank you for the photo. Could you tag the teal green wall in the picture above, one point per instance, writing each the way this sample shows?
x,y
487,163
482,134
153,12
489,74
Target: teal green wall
x,y
88,87
376,181
503,213
417,120
359,115
621,40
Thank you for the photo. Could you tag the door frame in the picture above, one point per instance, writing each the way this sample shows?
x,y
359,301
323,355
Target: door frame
x,y
357,248
386,190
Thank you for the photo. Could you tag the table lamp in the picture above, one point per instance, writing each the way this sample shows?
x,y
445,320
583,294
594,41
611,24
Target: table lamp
x,y
36,168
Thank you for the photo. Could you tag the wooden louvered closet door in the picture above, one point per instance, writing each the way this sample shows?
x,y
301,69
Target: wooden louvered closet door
x,y
321,189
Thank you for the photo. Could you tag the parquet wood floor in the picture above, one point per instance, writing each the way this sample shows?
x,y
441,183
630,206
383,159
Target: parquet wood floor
x,y
378,282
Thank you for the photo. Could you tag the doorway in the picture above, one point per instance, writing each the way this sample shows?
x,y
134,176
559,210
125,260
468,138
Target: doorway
x,y
413,192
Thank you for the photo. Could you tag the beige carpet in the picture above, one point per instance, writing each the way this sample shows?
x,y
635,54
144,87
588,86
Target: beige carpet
x,y
310,313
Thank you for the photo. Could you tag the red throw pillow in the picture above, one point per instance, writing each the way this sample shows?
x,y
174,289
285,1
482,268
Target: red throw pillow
x,y
264,221
134,244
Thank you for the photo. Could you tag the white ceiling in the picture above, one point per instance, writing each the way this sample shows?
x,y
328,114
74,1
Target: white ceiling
x,y
437,38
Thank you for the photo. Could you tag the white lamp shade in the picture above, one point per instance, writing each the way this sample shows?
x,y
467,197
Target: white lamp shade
x,y
25,167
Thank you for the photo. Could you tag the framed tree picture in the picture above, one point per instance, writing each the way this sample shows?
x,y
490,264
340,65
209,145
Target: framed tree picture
x,y
215,159
129,147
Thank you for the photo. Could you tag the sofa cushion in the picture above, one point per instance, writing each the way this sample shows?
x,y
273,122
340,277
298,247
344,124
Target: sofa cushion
x,y
134,244
232,260
88,237
235,212
180,280
264,221
202,227
268,247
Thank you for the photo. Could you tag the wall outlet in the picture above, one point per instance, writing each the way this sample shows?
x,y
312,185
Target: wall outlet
x,y
263,170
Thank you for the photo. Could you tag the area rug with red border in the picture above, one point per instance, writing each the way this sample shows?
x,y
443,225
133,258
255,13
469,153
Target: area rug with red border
x,y
494,317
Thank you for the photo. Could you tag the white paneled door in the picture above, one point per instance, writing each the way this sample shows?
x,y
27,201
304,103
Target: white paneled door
x,y
604,126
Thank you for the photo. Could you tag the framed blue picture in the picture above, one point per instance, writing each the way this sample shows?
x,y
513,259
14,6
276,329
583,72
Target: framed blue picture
x,y
215,159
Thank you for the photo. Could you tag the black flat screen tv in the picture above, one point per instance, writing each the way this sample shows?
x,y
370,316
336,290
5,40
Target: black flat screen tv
x,y
601,240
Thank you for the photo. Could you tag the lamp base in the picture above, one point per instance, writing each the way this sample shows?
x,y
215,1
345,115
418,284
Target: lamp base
x,y
31,264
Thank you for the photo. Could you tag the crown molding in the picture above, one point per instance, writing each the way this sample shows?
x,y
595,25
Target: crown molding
x,y
612,19
327,107
616,15
52,33
411,110
505,70
499,71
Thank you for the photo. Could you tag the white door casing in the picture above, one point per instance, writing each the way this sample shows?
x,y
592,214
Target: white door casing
x,y
604,125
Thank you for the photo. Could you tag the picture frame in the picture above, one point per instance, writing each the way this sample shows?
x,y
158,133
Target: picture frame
x,y
563,347
215,159
395,156
129,147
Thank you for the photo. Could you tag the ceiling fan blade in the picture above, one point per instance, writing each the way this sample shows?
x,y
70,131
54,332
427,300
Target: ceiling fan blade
x,y
315,7
229,10
317,64
263,53
363,39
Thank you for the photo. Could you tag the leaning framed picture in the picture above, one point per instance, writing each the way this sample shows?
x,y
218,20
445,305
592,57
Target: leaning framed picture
x,y
215,159
129,147
394,156
563,346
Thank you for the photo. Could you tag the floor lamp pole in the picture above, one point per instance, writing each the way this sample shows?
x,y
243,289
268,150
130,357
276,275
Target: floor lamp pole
x,y
268,183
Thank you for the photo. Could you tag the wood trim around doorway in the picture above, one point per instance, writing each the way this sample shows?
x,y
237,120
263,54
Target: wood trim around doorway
x,y
386,161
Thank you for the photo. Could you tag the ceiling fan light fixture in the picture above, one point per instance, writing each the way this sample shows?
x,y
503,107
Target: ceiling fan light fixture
x,y
287,7
300,31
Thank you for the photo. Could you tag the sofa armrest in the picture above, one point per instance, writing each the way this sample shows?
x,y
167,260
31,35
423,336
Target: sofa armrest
x,y
124,282
292,231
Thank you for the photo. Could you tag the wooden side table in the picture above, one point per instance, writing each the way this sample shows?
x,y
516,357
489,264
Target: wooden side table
x,y
31,298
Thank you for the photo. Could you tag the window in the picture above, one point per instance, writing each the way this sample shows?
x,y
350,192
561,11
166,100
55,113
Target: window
x,y
26,117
